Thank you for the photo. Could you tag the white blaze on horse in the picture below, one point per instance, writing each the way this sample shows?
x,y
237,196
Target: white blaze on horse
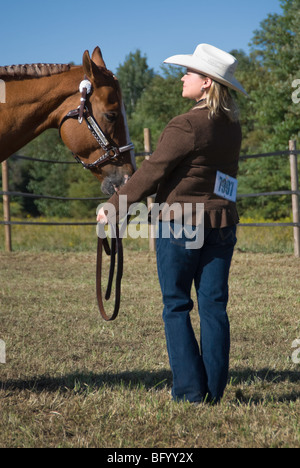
x,y
83,102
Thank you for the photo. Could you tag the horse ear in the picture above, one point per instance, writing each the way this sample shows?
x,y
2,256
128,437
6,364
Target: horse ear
x,y
98,58
89,67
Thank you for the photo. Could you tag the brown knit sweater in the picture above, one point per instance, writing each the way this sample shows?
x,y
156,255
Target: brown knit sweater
x,y
183,168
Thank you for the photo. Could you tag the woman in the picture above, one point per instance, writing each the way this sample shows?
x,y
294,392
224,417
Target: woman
x,y
183,170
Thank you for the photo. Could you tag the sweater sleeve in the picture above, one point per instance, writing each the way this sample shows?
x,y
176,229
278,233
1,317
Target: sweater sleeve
x,y
176,142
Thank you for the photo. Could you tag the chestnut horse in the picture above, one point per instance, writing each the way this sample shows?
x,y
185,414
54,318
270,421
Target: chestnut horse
x,y
39,97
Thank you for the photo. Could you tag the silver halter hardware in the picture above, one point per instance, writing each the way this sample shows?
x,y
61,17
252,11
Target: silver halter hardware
x,y
112,151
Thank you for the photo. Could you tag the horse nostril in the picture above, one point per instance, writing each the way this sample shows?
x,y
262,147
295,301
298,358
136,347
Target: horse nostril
x,y
111,184
107,187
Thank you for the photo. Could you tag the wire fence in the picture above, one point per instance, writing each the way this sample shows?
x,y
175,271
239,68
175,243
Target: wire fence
x,y
294,193
49,197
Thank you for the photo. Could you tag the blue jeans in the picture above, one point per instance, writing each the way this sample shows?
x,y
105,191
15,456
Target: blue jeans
x,y
198,374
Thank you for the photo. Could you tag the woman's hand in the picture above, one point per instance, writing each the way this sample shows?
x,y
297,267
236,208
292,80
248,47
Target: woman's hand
x,y
101,217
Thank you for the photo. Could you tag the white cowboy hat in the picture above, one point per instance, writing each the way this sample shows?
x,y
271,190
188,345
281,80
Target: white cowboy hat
x,y
213,62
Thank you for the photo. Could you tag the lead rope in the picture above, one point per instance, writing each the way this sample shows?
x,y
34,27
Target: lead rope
x,y
116,249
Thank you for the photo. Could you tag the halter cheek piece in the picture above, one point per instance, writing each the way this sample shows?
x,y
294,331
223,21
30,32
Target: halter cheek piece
x,y
112,150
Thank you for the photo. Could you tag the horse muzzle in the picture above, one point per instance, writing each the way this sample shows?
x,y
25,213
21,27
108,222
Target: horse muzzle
x,y
111,184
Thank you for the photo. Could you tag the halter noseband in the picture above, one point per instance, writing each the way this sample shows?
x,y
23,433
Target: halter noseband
x,y
112,150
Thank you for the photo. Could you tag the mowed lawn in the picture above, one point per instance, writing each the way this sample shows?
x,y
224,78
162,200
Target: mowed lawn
x,y
72,380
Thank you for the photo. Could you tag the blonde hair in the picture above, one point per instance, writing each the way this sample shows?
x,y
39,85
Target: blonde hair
x,y
219,100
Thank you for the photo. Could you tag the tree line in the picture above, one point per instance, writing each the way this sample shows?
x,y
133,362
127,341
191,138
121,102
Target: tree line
x,y
270,73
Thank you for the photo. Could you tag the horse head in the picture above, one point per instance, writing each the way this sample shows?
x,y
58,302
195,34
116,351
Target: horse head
x,y
104,119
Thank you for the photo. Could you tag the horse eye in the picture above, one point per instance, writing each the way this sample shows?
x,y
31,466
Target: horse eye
x,y
111,117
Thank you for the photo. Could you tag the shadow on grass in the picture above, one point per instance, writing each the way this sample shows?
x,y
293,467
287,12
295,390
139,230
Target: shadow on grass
x,y
246,375
81,382
256,380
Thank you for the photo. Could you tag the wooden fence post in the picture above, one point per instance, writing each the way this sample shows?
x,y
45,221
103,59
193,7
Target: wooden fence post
x,y
295,197
151,199
6,207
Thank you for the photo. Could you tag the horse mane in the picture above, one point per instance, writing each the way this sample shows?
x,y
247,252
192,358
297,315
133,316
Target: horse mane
x,y
34,70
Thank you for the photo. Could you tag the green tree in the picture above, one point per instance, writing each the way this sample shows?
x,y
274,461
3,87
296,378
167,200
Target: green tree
x,y
83,184
276,47
160,102
47,178
61,180
134,77
250,73
273,118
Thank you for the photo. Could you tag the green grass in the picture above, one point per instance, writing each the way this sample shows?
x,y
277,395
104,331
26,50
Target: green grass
x,y
267,239
83,238
73,380
45,238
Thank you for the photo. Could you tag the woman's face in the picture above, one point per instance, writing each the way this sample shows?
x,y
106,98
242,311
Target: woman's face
x,y
192,85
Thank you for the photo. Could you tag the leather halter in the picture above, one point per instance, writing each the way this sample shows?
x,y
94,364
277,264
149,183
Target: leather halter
x,y
112,150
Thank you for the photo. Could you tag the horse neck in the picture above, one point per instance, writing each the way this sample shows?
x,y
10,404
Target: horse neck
x,y
34,105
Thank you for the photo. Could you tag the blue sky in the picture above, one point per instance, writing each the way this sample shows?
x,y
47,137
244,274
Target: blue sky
x,y
61,30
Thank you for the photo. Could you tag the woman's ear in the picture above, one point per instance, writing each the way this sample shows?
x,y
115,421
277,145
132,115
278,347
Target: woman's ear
x,y
207,83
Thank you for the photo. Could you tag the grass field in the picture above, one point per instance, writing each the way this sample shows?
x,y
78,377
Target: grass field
x,y
82,238
72,380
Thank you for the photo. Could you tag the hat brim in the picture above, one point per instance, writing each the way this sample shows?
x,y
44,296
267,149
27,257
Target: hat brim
x,y
188,61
